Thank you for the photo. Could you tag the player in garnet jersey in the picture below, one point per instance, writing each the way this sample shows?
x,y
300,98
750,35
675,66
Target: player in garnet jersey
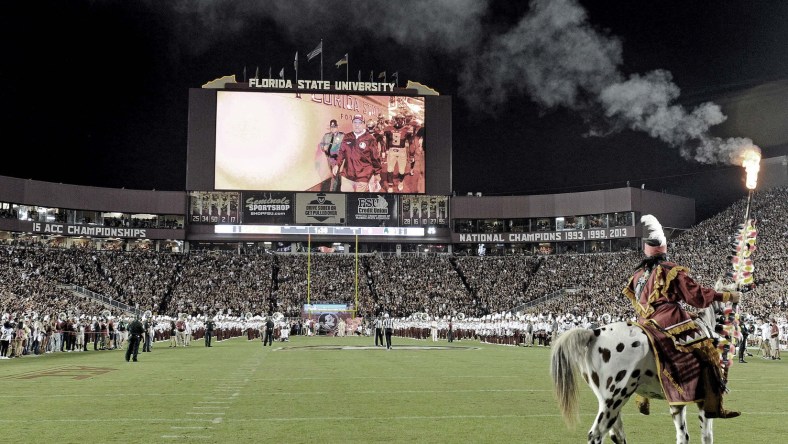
x,y
399,142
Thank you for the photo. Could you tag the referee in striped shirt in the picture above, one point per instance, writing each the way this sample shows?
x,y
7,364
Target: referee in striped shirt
x,y
388,326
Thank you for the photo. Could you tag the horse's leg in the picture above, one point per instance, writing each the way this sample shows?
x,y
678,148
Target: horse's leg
x,y
706,424
597,433
608,419
617,434
679,414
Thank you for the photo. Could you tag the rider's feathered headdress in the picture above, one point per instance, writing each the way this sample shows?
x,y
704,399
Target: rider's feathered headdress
x,y
655,242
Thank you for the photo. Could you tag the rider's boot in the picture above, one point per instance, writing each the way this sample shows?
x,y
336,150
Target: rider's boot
x,y
643,404
712,402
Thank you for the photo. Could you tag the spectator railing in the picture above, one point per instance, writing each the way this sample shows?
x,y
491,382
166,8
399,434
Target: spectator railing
x,y
556,294
107,301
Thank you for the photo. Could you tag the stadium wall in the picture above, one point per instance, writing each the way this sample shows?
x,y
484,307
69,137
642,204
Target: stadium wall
x,y
672,211
58,195
774,173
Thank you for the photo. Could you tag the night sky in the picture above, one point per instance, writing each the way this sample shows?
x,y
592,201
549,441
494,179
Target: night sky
x,y
549,96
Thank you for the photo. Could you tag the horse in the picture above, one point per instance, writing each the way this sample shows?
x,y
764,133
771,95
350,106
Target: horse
x,y
617,361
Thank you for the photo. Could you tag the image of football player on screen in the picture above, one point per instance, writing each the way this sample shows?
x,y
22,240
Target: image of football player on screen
x,y
399,144
329,144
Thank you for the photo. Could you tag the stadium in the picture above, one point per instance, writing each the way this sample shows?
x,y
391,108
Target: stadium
x,y
316,277
483,271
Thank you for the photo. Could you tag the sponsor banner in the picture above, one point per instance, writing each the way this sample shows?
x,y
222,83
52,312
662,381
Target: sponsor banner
x,y
320,208
89,230
268,208
425,210
545,236
371,210
214,207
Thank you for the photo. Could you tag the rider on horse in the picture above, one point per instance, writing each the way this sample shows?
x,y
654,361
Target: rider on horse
x,y
687,360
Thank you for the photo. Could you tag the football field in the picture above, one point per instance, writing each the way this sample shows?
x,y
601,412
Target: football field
x,y
338,390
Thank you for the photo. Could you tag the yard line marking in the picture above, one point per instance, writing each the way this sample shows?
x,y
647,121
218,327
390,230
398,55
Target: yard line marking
x,y
212,402
212,407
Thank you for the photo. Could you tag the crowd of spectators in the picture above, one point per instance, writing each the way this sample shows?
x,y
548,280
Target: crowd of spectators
x,y
206,283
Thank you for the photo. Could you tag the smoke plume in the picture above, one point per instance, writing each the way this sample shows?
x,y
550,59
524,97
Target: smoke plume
x,y
560,60
552,54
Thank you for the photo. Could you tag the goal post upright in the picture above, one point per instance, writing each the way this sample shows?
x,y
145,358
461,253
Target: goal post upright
x,y
308,267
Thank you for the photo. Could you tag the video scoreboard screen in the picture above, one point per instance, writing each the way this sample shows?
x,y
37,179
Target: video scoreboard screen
x,y
249,140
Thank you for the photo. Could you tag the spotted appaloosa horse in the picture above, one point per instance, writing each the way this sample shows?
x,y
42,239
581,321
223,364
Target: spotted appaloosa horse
x,y
616,361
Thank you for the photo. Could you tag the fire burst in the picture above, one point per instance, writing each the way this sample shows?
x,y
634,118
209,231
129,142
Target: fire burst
x,y
751,161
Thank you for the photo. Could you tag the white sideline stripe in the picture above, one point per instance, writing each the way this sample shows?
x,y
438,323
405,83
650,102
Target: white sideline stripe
x,y
205,413
212,407
212,402
236,394
348,418
372,392
189,420
344,378
189,427
492,417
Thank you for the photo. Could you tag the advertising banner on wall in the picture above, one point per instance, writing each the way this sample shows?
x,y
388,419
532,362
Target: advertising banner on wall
x,y
268,208
593,234
371,210
214,207
320,208
425,210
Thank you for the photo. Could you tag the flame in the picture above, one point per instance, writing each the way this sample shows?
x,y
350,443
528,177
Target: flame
x,y
751,161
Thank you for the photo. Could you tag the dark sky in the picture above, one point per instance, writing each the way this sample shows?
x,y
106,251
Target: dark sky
x,y
549,96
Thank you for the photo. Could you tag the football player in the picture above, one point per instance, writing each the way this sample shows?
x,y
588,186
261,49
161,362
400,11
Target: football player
x,y
399,142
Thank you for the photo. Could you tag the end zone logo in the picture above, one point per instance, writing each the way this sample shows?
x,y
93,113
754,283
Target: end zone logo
x,y
328,321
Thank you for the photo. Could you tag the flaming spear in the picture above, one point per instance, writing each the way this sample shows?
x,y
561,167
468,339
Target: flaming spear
x,y
751,161
745,244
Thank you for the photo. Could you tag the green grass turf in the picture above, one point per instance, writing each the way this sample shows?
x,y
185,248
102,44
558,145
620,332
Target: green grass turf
x,y
299,392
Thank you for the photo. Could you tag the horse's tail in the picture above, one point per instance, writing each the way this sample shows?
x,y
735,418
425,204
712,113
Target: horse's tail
x,y
566,359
